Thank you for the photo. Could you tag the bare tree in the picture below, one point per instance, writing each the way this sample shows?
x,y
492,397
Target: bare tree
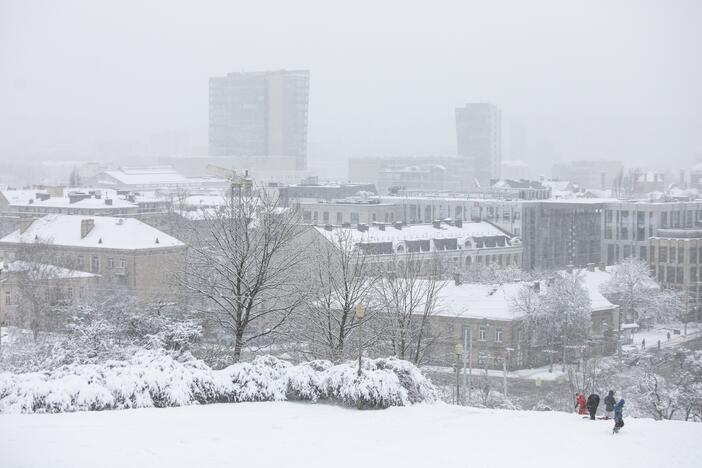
x,y
407,299
244,267
338,283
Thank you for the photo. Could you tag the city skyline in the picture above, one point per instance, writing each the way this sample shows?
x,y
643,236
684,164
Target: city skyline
x,y
628,92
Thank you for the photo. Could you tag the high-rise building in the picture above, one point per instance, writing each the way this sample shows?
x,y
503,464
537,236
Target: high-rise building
x,y
479,135
260,114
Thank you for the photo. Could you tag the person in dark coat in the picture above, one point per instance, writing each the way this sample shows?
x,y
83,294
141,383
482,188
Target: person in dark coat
x,y
618,416
593,401
609,404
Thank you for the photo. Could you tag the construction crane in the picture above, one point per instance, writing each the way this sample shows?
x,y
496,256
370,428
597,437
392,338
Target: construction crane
x,y
243,184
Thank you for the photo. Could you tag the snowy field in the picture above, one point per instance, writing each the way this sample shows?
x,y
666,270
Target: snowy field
x,y
292,435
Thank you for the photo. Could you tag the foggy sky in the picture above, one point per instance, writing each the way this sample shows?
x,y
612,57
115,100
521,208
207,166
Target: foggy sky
x,y
592,79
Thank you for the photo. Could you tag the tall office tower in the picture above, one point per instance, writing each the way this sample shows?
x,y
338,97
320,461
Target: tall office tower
x,y
479,135
260,114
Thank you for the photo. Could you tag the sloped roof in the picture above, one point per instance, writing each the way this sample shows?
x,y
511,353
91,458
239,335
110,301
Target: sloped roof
x,y
108,233
416,232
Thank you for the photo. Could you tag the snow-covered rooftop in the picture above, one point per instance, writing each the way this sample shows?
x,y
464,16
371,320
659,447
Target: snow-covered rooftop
x,y
107,233
495,301
65,202
145,176
20,196
44,271
415,232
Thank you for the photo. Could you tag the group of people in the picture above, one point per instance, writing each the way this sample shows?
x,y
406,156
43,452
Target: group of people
x,y
613,408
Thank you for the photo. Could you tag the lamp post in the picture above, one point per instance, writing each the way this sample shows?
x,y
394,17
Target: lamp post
x,y
360,313
468,343
458,349
504,369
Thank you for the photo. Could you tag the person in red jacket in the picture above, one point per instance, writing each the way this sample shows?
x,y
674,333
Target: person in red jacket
x,y
580,403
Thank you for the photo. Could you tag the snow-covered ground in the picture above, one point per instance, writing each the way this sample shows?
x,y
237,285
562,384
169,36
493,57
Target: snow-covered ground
x,y
535,373
660,332
285,434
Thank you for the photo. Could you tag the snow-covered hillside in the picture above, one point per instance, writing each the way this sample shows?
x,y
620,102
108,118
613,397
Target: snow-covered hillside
x,y
285,434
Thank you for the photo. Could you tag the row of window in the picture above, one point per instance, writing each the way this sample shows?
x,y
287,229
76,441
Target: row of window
x,y
95,263
53,296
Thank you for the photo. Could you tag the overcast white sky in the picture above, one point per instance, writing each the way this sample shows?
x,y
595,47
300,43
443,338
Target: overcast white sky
x,y
595,79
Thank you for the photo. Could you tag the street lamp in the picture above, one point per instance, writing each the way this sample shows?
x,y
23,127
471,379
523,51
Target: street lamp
x,y
360,313
508,352
458,350
468,359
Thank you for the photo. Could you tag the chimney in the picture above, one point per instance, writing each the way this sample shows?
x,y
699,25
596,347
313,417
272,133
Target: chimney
x,y
86,225
457,278
328,227
590,267
108,201
362,227
381,226
603,267
42,196
397,225
437,224
458,223
24,224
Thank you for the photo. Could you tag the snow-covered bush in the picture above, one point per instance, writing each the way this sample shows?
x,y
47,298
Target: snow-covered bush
x,y
155,379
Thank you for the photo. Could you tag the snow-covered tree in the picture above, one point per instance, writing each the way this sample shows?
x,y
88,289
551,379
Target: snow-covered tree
x,y
632,288
565,314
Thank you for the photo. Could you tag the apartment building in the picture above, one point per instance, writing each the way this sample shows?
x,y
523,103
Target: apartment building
x,y
479,137
558,234
505,214
486,314
260,113
458,245
627,225
125,252
55,285
675,256
351,212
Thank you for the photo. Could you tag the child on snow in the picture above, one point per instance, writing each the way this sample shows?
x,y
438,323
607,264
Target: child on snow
x,y
618,416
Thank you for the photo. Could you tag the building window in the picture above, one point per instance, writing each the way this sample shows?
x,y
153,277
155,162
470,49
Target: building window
x,y
69,293
663,254
110,263
95,264
81,262
8,298
123,263
325,217
672,254
498,335
482,334
307,216
693,254
354,218
339,217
